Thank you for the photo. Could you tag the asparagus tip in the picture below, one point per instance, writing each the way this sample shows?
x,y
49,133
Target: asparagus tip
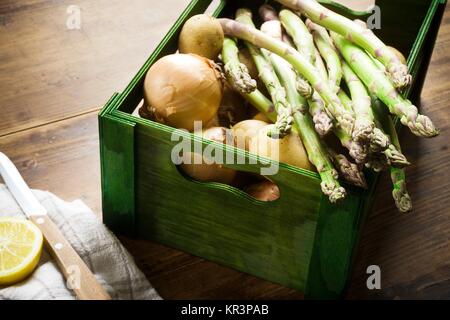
x,y
322,124
304,88
422,126
402,198
395,157
349,171
399,74
363,130
358,152
334,192
240,77
379,141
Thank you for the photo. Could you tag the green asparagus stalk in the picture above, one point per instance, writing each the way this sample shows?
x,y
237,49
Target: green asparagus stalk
x,y
270,18
262,104
346,101
398,175
315,148
399,192
398,72
304,42
357,150
273,29
302,66
283,124
299,33
323,121
237,73
328,52
319,64
364,119
377,83
256,98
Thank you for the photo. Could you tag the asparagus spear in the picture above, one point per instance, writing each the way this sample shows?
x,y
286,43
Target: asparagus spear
x,y
295,27
256,98
398,72
303,67
315,148
237,73
283,125
303,40
377,83
357,150
364,119
346,101
328,52
270,17
399,192
398,175
349,171
262,104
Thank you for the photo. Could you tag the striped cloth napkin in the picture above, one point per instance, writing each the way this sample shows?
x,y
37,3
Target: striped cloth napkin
x,y
105,256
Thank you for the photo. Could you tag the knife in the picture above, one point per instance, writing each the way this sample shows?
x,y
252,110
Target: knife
x,y
75,271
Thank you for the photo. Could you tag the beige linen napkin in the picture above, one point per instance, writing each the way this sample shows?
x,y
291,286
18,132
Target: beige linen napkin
x,y
97,246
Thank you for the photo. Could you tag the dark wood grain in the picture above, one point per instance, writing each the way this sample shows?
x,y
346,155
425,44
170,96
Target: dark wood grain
x,y
48,72
51,80
62,157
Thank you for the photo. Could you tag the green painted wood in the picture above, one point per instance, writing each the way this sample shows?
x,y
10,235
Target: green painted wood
x,y
221,223
117,172
301,240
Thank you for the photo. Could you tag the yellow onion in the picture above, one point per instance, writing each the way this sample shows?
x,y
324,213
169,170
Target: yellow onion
x,y
210,172
182,88
290,149
263,191
245,130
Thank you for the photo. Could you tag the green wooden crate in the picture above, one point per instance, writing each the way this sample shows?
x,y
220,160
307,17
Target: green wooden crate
x,y
300,240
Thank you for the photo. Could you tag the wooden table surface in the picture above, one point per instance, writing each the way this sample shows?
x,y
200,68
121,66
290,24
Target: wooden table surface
x,y
53,82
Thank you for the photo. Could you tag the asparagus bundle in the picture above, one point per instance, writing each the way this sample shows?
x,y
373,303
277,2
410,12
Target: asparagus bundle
x,y
377,83
317,152
290,56
357,34
303,67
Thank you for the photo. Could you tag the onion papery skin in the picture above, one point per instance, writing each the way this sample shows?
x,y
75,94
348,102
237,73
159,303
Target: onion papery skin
x,y
182,88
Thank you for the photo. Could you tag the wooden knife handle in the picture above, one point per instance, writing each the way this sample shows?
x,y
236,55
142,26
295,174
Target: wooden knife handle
x,y
83,282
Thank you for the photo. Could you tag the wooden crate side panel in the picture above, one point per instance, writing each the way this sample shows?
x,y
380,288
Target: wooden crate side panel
x,y
337,235
220,223
117,171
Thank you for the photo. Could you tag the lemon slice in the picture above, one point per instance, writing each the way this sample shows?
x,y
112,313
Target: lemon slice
x,y
20,249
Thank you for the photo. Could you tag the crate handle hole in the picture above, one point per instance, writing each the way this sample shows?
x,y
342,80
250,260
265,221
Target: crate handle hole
x,y
256,188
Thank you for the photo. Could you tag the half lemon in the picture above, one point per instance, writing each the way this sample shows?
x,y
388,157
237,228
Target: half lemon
x,y
20,249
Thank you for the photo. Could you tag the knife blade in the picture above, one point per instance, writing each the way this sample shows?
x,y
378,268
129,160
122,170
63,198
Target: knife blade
x,y
19,189
79,278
